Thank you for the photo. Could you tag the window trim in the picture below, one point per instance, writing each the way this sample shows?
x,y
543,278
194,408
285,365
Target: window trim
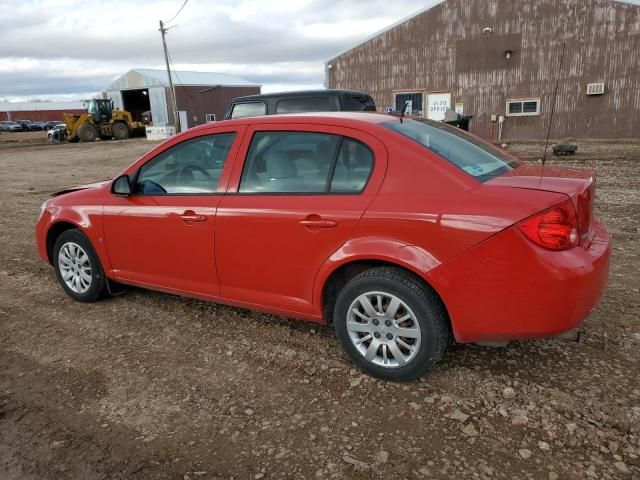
x,y
233,107
136,173
207,117
522,101
327,190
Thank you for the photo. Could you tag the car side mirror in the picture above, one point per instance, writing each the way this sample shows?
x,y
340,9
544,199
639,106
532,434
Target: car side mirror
x,y
121,186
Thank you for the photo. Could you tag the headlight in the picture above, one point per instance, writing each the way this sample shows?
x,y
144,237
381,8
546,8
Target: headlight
x,y
43,207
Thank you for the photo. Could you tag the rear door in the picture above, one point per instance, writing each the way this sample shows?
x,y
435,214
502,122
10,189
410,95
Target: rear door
x,y
295,199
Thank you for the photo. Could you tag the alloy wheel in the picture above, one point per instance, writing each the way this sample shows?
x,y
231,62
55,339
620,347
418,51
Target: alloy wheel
x,y
383,329
75,267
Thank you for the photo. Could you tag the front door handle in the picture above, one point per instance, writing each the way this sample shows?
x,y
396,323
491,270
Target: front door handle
x,y
314,221
190,217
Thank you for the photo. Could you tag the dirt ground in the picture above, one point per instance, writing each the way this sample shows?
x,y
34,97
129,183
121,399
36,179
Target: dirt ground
x,y
153,386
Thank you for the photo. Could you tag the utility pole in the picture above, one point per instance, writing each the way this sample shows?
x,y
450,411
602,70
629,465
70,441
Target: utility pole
x,y
172,89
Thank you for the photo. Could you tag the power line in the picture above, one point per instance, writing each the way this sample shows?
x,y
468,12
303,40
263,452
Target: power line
x,y
163,32
175,72
177,13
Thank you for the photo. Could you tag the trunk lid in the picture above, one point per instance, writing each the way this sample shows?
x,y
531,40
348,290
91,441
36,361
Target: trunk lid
x,y
578,185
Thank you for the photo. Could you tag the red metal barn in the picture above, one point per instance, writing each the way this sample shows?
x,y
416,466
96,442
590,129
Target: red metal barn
x,y
500,58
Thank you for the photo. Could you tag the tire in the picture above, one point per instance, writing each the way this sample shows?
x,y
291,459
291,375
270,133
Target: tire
x,y
73,254
87,133
120,131
397,356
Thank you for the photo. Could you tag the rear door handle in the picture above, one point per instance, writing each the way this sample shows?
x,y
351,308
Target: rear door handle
x,y
318,223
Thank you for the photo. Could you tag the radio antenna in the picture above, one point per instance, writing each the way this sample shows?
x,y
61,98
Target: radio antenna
x,y
404,109
553,105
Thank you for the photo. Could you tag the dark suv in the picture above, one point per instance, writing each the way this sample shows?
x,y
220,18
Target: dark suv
x,y
300,102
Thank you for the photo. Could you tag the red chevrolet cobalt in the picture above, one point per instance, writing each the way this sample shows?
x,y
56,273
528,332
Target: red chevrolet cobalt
x,y
402,234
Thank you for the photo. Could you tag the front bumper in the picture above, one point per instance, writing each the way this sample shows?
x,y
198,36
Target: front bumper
x,y
41,235
507,288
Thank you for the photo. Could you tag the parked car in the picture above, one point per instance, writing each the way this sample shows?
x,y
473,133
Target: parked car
x,y
29,126
36,126
50,124
300,102
51,133
400,233
8,126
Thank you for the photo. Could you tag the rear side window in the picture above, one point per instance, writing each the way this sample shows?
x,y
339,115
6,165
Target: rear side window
x,y
305,162
353,167
303,105
468,154
249,109
288,162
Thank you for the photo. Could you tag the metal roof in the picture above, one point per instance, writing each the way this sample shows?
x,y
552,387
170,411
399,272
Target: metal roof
x,y
146,77
39,106
433,3
390,27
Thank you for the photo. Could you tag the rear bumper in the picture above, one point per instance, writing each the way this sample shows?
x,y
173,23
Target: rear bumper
x,y
508,288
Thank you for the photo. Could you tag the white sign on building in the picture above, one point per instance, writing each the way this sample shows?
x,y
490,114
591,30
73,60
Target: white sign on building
x,y
437,105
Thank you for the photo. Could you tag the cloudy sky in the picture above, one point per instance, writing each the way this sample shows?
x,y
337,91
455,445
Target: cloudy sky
x,y
67,49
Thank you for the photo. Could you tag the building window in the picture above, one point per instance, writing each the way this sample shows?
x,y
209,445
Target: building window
x,y
414,100
210,117
523,107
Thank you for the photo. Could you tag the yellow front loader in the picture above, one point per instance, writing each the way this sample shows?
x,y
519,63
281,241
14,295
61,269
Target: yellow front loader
x,y
101,121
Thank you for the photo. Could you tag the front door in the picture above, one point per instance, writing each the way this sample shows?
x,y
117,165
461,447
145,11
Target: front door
x,y
163,234
294,202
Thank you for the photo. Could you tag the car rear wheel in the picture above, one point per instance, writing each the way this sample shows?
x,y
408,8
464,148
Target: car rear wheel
x,y
390,325
78,268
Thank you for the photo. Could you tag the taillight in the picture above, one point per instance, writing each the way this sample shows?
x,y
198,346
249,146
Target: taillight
x,y
555,229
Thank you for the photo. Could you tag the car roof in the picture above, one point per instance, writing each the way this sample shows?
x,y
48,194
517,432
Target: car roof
x,y
319,118
298,94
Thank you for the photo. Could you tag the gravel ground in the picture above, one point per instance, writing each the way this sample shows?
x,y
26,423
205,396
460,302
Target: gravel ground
x,y
147,385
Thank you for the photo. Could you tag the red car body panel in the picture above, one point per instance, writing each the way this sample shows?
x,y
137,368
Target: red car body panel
x,y
507,288
276,252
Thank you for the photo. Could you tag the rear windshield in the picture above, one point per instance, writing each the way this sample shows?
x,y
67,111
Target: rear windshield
x,y
303,105
465,152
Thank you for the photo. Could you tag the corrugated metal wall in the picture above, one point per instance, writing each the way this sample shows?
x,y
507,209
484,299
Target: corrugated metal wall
x,y
158,104
445,50
199,101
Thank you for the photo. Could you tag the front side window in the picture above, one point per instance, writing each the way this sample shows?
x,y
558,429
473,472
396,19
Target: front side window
x,y
249,109
303,105
468,154
189,168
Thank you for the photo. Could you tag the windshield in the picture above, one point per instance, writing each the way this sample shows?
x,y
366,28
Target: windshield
x,y
465,152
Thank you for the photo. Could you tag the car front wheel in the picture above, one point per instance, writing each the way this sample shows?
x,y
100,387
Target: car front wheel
x,y
390,325
78,268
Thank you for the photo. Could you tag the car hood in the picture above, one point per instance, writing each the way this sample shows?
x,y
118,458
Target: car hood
x,y
82,187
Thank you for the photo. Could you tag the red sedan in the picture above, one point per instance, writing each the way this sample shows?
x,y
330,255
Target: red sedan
x,y
400,233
